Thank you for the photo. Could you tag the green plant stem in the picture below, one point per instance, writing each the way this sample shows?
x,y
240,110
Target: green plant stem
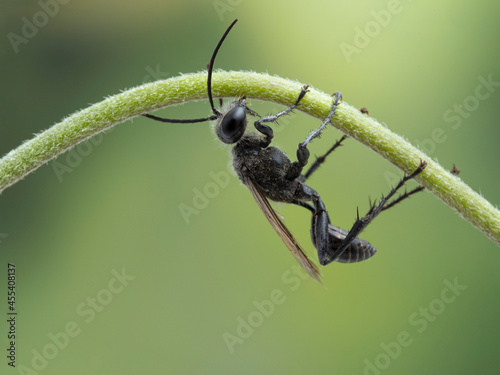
x,y
121,107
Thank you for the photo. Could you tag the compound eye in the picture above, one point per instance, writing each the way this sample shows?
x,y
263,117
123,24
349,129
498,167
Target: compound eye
x,y
233,125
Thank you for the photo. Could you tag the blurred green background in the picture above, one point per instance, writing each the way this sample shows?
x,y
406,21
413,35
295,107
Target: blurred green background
x,y
216,295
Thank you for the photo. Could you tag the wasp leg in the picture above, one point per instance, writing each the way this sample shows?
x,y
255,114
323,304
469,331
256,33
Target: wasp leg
x,y
455,171
403,197
320,160
357,251
266,130
302,152
361,224
320,219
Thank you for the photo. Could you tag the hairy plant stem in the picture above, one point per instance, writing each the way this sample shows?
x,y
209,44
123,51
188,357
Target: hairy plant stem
x,y
121,107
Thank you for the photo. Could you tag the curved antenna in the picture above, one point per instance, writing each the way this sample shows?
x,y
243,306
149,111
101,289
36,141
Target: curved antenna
x,y
180,121
217,113
210,69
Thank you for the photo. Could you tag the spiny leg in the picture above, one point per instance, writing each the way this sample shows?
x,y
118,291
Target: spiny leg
x,y
302,152
321,159
454,171
272,118
361,224
266,130
366,246
357,251
403,197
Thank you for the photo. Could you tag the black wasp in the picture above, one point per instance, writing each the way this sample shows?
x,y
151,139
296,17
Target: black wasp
x,y
268,173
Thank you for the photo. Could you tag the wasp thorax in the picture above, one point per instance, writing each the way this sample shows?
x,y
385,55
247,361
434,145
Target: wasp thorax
x,y
231,126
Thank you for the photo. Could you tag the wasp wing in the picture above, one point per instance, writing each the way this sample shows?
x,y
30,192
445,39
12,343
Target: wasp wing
x,y
282,230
